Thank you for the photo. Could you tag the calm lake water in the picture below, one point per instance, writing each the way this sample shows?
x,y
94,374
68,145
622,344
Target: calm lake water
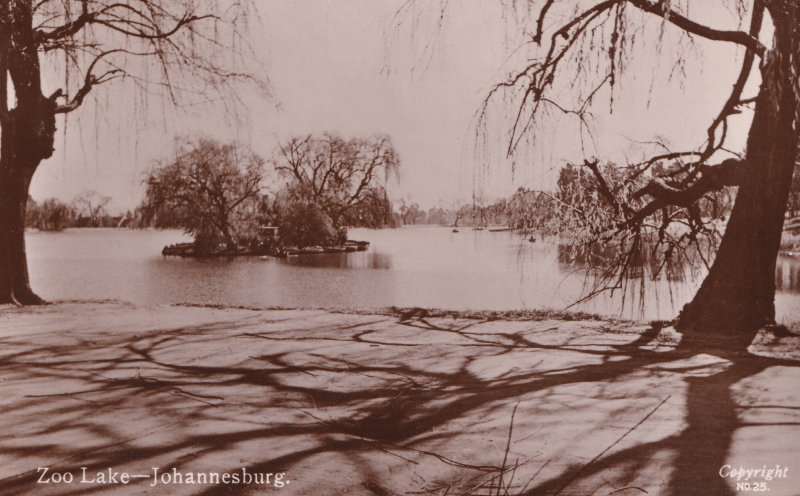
x,y
411,266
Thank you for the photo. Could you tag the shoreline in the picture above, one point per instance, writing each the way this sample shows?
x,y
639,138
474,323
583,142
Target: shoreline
x,y
533,315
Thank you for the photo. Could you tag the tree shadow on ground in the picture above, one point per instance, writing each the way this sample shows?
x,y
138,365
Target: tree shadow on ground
x,y
372,396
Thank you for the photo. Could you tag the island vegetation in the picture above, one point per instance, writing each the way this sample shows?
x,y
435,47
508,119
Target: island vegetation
x,y
233,203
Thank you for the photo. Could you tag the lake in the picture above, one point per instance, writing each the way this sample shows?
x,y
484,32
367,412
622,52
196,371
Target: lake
x,y
411,266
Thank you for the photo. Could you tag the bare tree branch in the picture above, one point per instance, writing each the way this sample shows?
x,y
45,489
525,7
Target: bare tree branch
x,y
735,98
662,9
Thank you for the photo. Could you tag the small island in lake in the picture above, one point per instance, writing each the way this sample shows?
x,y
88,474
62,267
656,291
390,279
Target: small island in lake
x,y
272,248
219,193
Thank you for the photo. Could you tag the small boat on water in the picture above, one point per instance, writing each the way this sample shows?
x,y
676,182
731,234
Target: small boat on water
x,y
179,250
359,245
309,250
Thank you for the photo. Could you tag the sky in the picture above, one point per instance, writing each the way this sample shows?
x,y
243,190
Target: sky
x,y
354,68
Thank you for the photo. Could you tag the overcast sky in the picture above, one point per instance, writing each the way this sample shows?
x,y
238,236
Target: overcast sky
x,y
342,66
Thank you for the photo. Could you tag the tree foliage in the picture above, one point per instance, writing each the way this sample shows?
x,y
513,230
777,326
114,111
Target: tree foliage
x,y
51,215
410,213
211,190
346,179
91,205
306,224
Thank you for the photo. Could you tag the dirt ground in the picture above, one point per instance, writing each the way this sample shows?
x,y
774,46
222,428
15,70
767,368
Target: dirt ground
x,y
345,404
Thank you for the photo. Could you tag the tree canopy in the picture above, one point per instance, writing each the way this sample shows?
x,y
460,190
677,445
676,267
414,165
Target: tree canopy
x,y
210,189
345,178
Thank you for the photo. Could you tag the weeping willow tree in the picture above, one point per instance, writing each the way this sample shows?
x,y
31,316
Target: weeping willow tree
x,y
662,197
177,47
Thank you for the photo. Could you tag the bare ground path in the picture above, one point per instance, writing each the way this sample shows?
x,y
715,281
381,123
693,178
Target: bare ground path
x,y
387,404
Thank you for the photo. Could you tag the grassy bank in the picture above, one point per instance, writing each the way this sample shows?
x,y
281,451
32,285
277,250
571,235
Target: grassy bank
x,y
419,312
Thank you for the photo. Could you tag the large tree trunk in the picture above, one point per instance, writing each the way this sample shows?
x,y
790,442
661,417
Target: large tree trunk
x,y
739,292
14,282
21,150
6,262
27,138
21,282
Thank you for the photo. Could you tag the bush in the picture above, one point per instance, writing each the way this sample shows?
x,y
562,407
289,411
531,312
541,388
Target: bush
x,y
305,224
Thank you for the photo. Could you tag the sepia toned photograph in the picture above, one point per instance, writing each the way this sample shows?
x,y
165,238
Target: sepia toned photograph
x,y
400,247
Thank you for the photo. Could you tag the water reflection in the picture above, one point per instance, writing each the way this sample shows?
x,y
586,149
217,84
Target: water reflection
x,y
354,260
787,274
600,259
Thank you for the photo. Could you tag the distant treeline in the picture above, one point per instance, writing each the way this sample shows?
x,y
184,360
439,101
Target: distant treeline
x,y
86,210
526,209
575,204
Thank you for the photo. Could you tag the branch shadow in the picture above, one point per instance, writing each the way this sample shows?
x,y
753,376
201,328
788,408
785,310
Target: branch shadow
x,y
276,394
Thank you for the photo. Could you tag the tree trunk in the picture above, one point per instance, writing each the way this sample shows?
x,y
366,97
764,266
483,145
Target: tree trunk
x,y
6,262
14,281
738,295
27,138
18,162
21,282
